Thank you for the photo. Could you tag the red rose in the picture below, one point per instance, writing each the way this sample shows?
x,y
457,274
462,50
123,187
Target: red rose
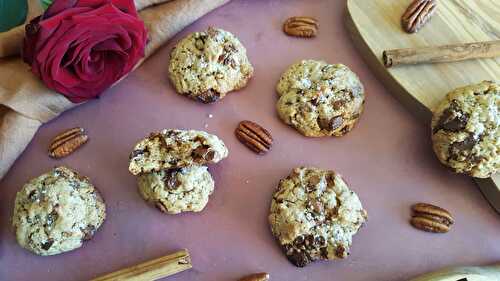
x,y
81,47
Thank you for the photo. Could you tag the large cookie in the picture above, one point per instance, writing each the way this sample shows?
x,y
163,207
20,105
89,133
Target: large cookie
x,y
320,99
314,216
56,212
177,190
465,130
172,148
205,66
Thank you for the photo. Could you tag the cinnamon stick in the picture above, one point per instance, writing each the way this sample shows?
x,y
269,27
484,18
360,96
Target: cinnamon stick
x,y
445,53
153,269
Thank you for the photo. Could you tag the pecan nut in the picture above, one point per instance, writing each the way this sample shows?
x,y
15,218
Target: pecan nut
x,y
256,277
254,136
301,27
418,14
67,142
431,218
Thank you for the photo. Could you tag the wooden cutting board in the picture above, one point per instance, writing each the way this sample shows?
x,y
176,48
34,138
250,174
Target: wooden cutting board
x,y
375,27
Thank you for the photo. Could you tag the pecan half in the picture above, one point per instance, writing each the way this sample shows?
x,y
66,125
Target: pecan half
x,y
431,218
418,14
301,27
254,136
67,142
256,277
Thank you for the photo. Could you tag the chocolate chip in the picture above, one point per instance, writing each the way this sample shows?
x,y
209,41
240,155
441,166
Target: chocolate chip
x,y
51,218
338,104
170,179
88,232
340,251
464,148
299,259
324,252
33,196
209,96
203,153
452,119
298,241
319,241
48,244
136,153
330,124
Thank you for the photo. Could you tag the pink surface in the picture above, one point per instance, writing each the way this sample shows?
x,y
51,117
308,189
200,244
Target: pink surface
x,y
387,160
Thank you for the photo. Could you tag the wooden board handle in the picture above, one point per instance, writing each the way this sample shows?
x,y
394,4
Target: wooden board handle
x,y
153,269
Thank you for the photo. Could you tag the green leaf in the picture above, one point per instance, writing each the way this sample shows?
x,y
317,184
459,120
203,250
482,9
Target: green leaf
x,y
12,13
45,3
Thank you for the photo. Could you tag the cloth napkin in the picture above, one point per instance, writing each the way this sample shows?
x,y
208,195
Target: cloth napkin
x,y
25,103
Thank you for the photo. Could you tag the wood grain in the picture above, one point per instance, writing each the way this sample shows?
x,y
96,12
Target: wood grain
x,y
375,26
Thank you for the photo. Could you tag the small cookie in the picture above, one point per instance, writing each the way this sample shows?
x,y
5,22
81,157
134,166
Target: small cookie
x,y
205,66
314,216
56,212
320,99
172,148
465,130
177,190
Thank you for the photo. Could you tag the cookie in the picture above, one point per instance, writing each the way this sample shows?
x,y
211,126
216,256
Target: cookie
x,y
170,149
56,212
320,99
465,130
205,66
314,215
177,190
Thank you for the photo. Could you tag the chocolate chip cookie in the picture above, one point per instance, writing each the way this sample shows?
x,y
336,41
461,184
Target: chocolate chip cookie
x,y
173,148
314,216
320,99
56,212
177,190
205,66
465,130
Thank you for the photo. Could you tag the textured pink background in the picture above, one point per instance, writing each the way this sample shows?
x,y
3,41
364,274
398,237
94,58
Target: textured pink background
x,y
387,160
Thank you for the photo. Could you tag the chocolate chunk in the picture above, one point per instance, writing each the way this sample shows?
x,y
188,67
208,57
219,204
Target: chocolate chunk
x,y
330,124
136,153
340,251
319,241
452,119
297,257
324,252
170,179
203,153
338,104
209,96
48,244
463,148
88,232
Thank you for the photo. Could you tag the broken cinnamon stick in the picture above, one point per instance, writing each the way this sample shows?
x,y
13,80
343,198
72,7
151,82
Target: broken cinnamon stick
x,y
445,53
153,269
